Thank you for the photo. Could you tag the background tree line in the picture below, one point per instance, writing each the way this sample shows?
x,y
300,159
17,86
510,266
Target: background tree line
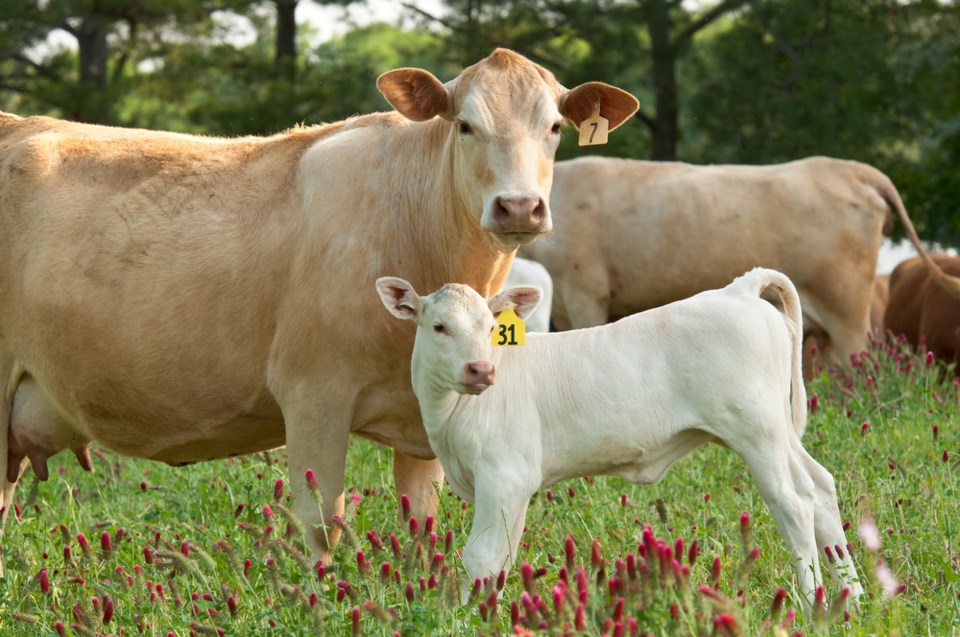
x,y
720,81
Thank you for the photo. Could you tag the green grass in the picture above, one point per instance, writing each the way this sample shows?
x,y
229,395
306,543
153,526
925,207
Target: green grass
x,y
895,473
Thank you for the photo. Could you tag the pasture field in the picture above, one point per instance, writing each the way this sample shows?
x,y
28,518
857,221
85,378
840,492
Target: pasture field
x,y
143,548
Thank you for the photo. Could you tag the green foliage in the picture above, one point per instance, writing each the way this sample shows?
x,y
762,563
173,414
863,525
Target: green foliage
x,y
169,547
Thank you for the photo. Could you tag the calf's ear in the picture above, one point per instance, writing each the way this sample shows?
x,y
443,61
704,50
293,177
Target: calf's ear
x,y
616,105
399,297
415,93
524,299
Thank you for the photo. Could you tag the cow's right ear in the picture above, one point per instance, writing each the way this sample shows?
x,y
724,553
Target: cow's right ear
x,y
399,297
415,93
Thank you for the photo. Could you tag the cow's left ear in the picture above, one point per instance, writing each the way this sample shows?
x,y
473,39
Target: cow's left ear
x,y
524,299
415,93
399,297
616,105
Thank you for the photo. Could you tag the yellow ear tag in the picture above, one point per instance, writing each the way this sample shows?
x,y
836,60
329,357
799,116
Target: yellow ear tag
x,y
594,129
510,329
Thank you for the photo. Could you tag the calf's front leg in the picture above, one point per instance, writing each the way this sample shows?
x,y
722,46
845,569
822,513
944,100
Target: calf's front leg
x,y
500,512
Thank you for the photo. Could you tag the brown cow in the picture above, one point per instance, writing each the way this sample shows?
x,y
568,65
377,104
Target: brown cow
x,y
631,235
184,298
920,308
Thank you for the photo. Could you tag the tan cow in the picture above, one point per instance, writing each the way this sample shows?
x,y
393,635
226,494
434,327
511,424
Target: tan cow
x,y
631,235
184,298
920,308
816,341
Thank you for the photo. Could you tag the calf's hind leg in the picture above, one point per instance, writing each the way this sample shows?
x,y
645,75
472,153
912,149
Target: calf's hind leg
x,y
790,494
827,523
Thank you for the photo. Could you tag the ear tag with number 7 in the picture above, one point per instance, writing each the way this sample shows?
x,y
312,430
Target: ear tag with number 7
x,y
510,329
594,129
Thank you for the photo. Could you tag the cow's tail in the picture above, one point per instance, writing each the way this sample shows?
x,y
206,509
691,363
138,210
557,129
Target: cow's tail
x,y
779,290
885,188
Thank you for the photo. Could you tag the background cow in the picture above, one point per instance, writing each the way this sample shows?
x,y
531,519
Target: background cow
x,y
920,308
631,235
170,296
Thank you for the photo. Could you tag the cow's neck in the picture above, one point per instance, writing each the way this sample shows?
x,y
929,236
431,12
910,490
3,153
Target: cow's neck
x,y
443,241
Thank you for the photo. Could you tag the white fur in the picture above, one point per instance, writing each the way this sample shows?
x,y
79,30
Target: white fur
x,y
628,399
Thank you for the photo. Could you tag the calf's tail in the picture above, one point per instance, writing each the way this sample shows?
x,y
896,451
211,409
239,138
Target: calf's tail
x,y
779,290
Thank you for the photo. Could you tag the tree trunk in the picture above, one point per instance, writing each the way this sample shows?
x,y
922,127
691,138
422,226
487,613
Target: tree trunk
x,y
664,59
92,50
285,58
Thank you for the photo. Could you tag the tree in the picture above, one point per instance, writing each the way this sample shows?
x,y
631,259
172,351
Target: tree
x,y
873,80
106,33
612,37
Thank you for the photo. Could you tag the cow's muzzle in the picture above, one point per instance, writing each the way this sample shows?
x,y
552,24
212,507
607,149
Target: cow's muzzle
x,y
517,216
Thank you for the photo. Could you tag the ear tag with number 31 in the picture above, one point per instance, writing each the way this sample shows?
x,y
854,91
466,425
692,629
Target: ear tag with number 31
x,y
594,129
510,329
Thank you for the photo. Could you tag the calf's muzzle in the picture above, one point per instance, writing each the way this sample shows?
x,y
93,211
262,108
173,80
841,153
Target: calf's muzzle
x,y
478,375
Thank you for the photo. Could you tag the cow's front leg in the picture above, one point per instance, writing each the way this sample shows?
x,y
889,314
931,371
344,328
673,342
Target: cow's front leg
x,y
420,480
322,451
498,520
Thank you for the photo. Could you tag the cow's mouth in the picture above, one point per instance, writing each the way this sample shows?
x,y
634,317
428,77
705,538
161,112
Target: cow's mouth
x,y
514,239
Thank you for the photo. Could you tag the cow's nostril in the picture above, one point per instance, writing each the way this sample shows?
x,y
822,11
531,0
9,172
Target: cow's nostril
x,y
500,213
539,213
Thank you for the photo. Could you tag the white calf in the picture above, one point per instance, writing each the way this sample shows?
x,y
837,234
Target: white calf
x,y
527,272
628,399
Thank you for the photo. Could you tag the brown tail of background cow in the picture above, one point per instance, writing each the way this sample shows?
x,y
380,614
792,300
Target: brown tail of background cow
x,y
778,289
888,191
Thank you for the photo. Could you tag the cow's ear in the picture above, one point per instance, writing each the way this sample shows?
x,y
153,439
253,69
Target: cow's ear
x,y
399,297
616,105
524,299
415,93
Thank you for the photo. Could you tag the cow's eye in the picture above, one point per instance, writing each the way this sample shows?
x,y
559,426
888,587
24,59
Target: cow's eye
x,y
465,128
555,129
439,328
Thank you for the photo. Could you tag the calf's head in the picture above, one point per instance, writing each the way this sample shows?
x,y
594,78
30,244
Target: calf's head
x,y
505,115
452,349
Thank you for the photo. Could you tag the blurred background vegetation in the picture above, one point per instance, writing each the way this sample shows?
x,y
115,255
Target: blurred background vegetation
x,y
719,81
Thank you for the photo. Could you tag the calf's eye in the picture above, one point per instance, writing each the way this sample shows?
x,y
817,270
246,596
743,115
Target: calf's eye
x,y
439,328
555,129
465,128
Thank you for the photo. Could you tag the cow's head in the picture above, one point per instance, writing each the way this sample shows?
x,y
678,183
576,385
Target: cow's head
x,y
505,115
452,350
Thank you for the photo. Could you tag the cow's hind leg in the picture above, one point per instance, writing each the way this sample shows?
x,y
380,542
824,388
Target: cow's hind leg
x,y
420,480
846,322
790,494
827,523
